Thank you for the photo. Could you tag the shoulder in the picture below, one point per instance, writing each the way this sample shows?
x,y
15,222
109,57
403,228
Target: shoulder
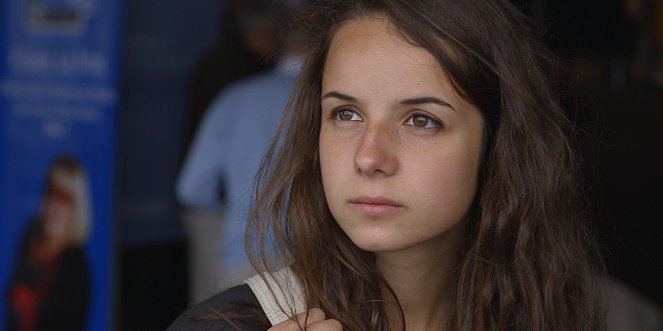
x,y
271,85
237,304
273,80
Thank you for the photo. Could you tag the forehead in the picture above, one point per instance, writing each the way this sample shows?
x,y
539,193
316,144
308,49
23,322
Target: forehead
x,y
369,51
62,179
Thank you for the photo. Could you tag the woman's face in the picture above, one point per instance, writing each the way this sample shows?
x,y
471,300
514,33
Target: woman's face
x,y
58,209
399,148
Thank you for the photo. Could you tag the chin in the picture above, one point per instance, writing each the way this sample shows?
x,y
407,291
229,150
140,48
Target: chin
x,y
376,244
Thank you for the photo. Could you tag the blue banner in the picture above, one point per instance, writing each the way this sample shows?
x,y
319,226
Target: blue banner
x,y
58,109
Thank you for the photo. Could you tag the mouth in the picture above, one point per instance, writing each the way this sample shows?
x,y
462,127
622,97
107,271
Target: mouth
x,y
376,206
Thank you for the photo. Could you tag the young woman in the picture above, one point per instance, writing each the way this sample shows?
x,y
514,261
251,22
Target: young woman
x,y
425,179
50,286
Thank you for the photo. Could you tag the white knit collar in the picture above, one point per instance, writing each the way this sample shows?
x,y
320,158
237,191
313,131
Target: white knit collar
x,y
285,299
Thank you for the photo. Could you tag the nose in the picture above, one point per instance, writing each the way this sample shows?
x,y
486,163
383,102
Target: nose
x,y
376,154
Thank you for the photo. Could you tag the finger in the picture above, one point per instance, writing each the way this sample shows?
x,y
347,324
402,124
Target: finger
x,y
326,325
302,319
314,315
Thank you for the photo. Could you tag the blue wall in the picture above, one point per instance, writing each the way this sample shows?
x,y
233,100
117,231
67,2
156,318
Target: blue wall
x,y
58,94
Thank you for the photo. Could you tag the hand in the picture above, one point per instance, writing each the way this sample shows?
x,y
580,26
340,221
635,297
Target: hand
x,y
315,322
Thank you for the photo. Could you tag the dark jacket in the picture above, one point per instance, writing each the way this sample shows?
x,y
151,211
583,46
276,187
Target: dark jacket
x,y
61,289
237,305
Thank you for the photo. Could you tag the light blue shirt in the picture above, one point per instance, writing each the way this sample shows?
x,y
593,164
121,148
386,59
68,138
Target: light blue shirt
x,y
226,152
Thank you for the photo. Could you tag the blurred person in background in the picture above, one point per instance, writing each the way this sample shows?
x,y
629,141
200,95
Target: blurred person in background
x,y
50,286
249,42
214,184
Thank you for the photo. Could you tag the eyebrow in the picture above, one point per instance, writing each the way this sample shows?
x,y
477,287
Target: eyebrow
x,y
409,101
339,95
425,100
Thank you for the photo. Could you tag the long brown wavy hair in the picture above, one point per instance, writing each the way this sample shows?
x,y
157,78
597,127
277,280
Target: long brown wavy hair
x,y
528,259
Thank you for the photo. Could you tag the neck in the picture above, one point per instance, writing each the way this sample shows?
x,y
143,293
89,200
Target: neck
x,y
47,249
423,279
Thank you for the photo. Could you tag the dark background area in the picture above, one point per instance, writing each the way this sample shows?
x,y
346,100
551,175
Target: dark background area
x,y
611,56
609,46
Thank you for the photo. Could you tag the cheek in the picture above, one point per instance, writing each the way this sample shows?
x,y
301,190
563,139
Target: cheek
x,y
336,161
327,162
451,179
446,181
58,212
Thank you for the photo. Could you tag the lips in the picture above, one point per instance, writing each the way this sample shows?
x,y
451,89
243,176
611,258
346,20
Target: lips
x,y
376,206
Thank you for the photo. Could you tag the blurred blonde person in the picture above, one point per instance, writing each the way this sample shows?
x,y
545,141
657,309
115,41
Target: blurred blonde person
x,y
50,285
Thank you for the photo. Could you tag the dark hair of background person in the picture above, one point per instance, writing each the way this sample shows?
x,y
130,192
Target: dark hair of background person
x,y
249,42
529,256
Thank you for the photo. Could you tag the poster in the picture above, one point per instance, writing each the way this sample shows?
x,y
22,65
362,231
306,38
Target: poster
x,y
58,109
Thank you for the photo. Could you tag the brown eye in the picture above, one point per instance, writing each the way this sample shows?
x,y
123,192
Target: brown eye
x,y
421,121
346,115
